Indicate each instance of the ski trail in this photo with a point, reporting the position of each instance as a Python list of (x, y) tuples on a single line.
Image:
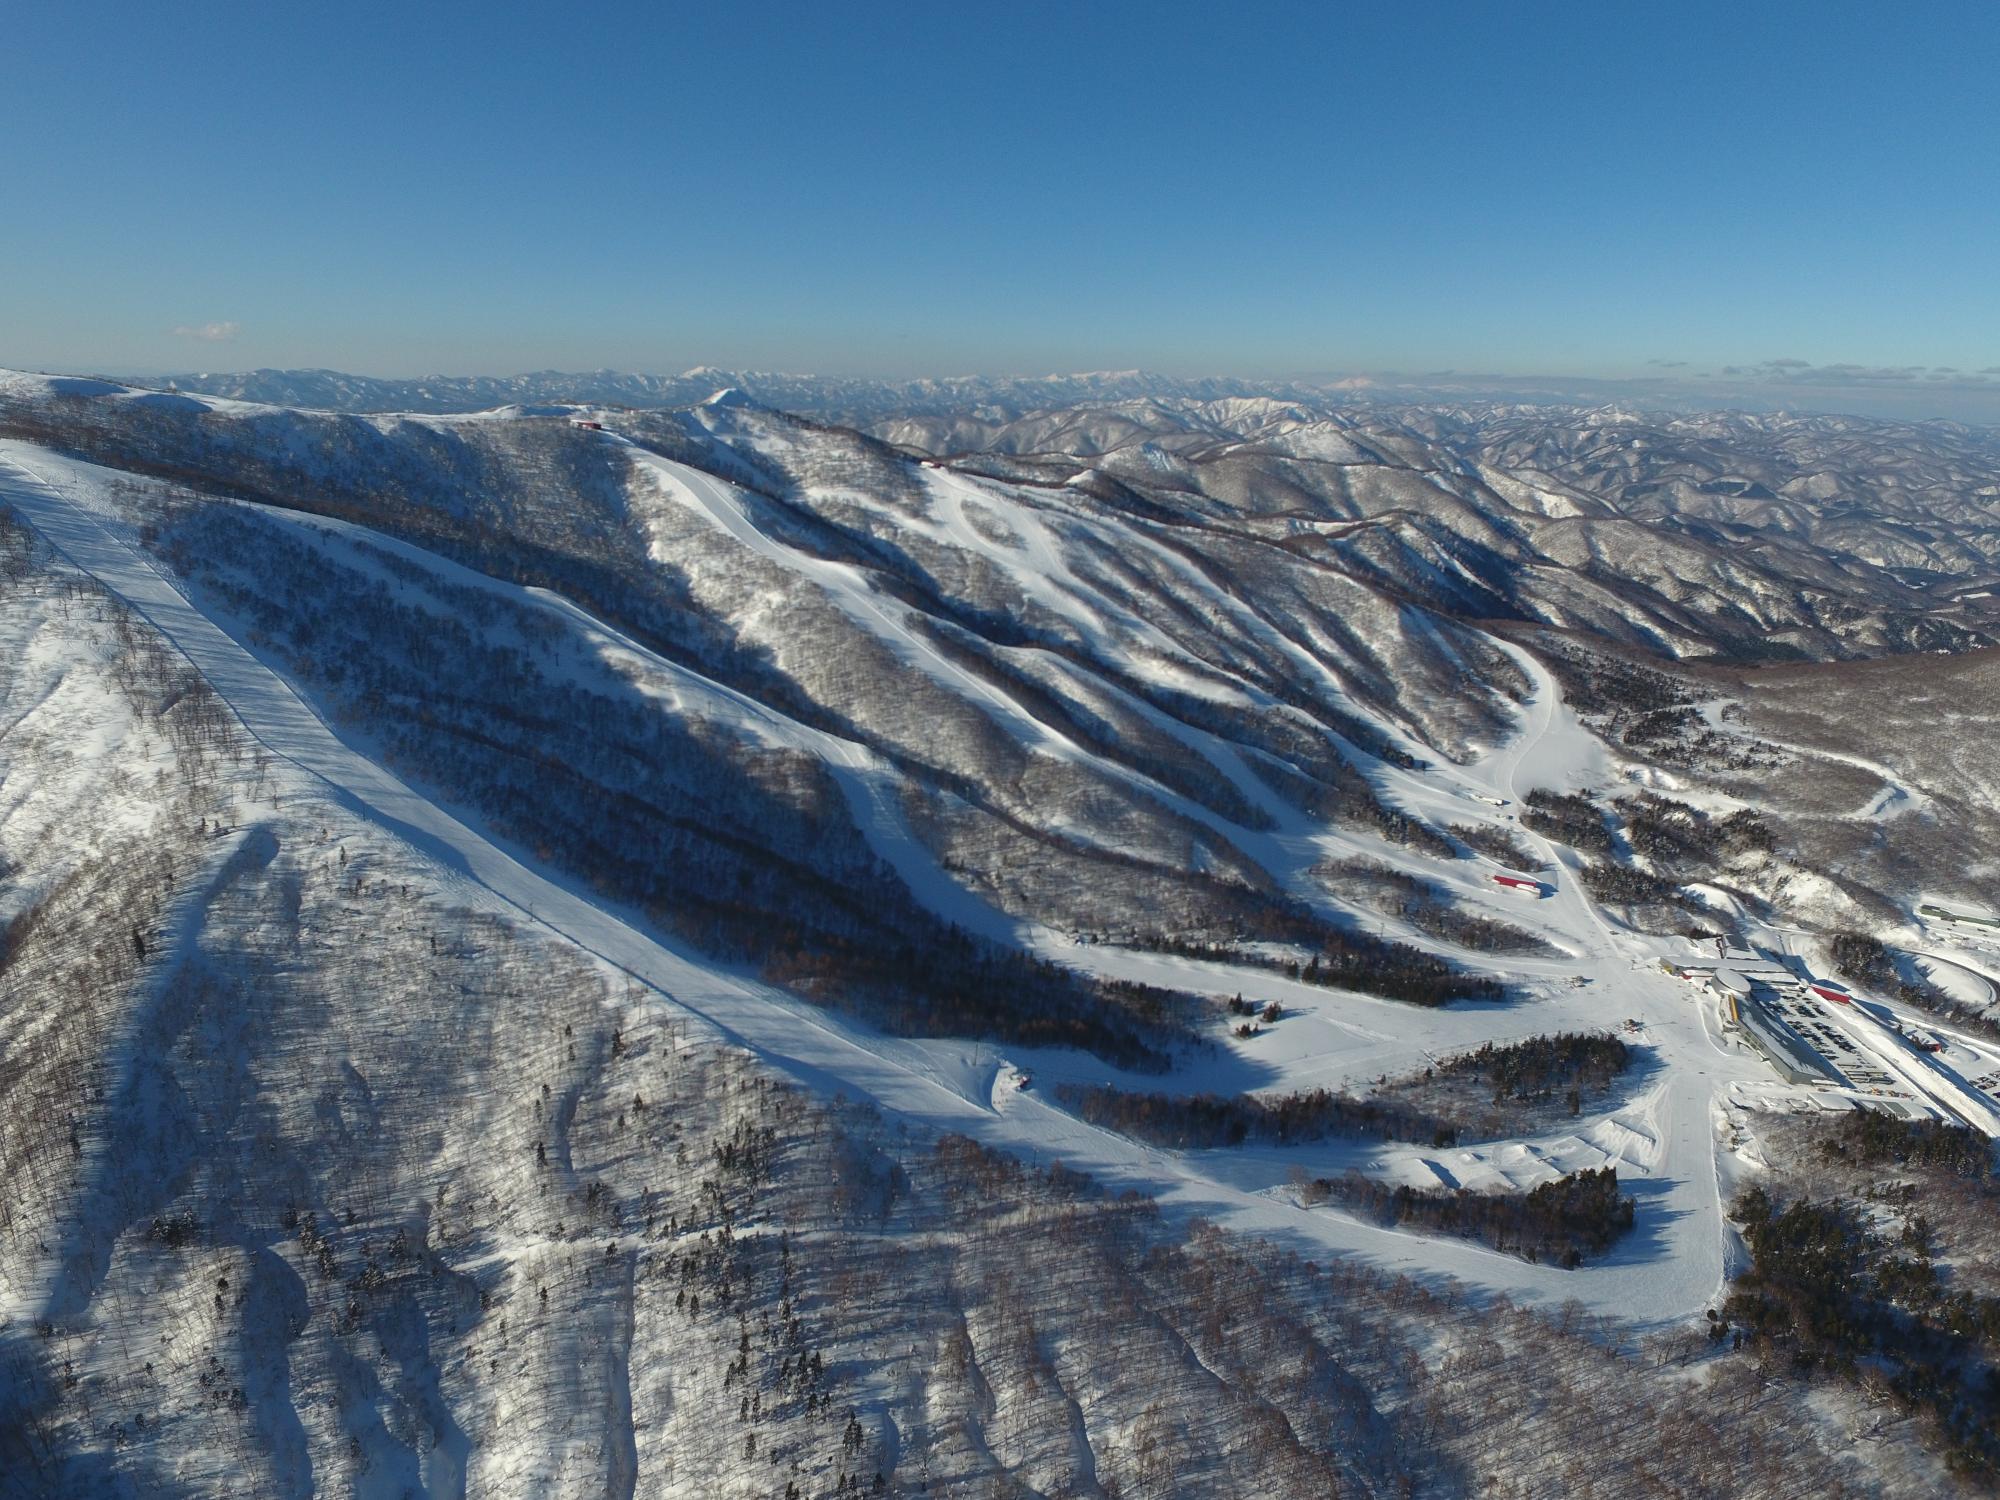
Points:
[(477, 874)]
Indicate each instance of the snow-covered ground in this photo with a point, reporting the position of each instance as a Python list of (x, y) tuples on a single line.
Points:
[(1664, 1142)]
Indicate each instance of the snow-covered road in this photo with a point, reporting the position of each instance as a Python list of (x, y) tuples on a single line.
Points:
[(1670, 1269)]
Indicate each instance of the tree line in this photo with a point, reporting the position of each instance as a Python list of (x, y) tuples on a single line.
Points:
[(1528, 1071), (1830, 1295), (1192, 1122), (1496, 843), (1348, 961), (1676, 836), (1534, 1069), (1568, 818), (1561, 1222)]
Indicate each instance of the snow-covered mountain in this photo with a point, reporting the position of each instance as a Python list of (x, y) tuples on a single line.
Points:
[(638, 941), (332, 390)]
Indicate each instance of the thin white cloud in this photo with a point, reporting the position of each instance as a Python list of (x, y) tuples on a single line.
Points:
[(208, 333)]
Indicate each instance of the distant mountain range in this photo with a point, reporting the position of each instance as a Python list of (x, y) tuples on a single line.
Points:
[(853, 400), (331, 390)]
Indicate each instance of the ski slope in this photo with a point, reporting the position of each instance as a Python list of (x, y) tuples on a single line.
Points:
[(1665, 1140), (1563, 752)]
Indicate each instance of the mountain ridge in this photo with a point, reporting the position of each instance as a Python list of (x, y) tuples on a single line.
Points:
[(768, 831)]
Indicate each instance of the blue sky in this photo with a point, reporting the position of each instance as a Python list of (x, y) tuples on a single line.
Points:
[(1605, 190)]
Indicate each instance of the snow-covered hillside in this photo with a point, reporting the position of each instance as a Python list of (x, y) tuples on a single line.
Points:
[(1720, 511), (591, 934)]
